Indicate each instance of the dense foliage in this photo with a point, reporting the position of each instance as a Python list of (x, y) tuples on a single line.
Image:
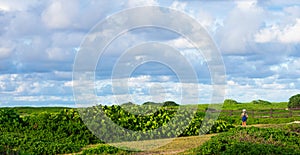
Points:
[(166, 122), (294, 101), (252, 141), (65, 132), (44, 133)]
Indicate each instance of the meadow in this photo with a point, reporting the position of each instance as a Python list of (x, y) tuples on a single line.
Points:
[(60, 130)]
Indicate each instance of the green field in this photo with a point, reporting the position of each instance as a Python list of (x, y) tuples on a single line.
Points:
[(37, 110), (60, 130)]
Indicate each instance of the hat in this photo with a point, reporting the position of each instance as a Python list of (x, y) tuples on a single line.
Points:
[(244, 110)]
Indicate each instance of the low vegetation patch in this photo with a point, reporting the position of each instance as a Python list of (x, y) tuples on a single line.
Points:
[(252, 140)]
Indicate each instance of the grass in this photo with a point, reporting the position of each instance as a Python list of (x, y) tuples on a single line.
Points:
[(23, 111), (202, 107)]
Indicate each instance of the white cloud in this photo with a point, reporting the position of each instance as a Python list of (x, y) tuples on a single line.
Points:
[(5, 52), (61, 14), (137, 3), (142, 89), (58, 54), (245, 5), (181, 6), (293, 10), (290, 34), (270, 88), (206, 20), (287, 34), (267, 35), (239, 26), (68, 84), (180, 43), (16, 5), (39, 36)]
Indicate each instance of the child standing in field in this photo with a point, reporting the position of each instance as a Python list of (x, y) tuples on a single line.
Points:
[(244, 117)]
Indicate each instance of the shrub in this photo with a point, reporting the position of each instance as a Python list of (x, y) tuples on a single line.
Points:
[(105, 149), (152, 104), (294, 101), (252, 141), (170, 103), (261, 102), (9, 118), (230, 101)]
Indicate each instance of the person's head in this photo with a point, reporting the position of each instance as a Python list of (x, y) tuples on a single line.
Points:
[(244, 110)]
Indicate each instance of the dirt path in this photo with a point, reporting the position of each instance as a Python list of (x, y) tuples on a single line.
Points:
[(172, 146), (179, 145)]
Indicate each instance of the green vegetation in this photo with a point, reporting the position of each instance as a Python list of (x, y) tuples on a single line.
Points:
[(45, 133), (57, 130), (252, 141), (263, 102), (105, 149), (165, 120), (65, 132), (170, 103), (230, 102), (294, 101), (23, 111), (251, 106)]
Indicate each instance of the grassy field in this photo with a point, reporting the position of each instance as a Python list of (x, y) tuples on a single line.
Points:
[(248, 106), (36, 110)]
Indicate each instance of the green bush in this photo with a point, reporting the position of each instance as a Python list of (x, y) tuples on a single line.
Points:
[(263, 102), (231, 101), (170, 103), (252, 141), (45, 133), (294, 101), (104, 149), (9, 120)]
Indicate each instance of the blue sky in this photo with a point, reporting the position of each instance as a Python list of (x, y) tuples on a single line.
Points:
[(259, 42)]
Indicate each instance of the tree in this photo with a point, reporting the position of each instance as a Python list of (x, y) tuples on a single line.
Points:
[(294, 101), (170, 103)]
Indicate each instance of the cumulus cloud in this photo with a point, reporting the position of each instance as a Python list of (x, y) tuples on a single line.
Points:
[(40, 39), (145, 88), (274, 33), (15, 5), (61, 14), (181, 6), (239, 26), (137, 3)]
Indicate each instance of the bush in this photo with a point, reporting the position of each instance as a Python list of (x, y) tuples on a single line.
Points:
[(263, 102), (45, 133), (152, 104), (105, 149), (252, 141), (294, 101), (9, 117), (230, 101), (170, 103)]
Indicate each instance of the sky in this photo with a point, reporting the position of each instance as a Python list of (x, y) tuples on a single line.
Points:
[(259, 43)]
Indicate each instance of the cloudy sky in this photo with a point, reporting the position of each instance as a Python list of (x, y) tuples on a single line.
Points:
[(259, 42)]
